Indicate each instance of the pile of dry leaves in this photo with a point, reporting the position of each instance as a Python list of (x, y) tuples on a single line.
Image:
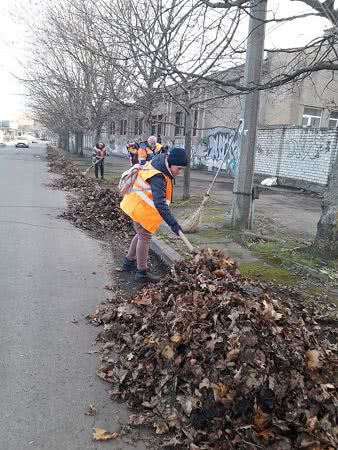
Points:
[(72, 179), (216, 361), (96, 207)]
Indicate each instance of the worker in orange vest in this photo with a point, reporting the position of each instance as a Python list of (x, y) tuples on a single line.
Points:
[(154, 144), (148, 204), (99, 153), (145, 153), (133, 149)]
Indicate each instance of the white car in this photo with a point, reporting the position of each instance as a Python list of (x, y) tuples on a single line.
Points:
[(22, 142)]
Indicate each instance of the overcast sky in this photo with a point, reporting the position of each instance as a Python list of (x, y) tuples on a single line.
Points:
[(12, 37)]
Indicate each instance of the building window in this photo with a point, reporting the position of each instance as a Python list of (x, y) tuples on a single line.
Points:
[(153, 126), (312, 117), (194, 131), (333, 119), (123, 126), (112, 127), (179, 130), (160, 125)]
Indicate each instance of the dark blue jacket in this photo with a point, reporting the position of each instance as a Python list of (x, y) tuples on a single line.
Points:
[(158, 187)]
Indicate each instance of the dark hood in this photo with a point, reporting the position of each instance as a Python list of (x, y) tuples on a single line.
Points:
[(158, 162)]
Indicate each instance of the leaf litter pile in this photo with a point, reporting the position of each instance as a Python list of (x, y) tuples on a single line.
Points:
[(212, 360), (95, 207)]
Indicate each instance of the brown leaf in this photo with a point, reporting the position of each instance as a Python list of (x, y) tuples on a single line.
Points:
[(269, 312), (136, 420), (219, 390), (91, 410), (313, 361), (233, 355), (142, 300), (161, 427), (168, 352), (262, 420), (311, 423), (176, 339), (265, 435), (103, 435)]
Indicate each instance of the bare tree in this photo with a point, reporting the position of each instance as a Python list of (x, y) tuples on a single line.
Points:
[(81, 82), (128, 54)]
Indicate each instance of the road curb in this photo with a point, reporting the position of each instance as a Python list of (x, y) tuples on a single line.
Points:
[(166, 253)]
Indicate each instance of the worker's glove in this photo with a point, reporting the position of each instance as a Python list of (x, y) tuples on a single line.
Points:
[(176, 229)]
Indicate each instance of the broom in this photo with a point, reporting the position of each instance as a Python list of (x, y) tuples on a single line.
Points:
[(192, 223), (89, 168)]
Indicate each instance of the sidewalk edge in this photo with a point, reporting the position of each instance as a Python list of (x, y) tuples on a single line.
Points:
[(167, 254)]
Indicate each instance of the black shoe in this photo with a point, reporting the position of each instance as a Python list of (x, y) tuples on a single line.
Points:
[(143, 276), (129, 265)]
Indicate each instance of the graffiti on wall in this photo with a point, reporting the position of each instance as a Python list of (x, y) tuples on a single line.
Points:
[(220, 144), (265, 150), (300, 149), (305, 145)]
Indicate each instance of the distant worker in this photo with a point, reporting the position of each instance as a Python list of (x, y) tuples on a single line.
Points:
[(98, 155), (155, 145), (145, 153), (148, 204), (133, 149)]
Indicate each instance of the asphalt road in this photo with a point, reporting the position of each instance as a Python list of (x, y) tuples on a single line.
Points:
[(50, 274)]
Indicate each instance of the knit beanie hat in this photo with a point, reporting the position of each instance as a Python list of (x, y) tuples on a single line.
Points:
[(152, 140), (177, 157)]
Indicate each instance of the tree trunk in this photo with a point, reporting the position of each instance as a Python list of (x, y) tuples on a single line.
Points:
[(327, 228), (97, 135), (76, 146), (187, 146), (66, 140), (60, 142), (80, 143)]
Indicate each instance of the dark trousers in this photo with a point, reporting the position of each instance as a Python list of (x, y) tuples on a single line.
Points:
[(100, 165)]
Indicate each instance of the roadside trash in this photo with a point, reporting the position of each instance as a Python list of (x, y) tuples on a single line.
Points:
[(269, 182)]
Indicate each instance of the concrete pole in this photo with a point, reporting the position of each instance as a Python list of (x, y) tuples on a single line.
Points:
[(242, 190)]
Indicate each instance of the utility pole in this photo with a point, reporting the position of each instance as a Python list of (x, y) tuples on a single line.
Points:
[(242, 190)]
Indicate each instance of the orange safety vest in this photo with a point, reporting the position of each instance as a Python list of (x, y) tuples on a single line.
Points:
[(139, 204), (143, 153), (100, 153), (133, 155), (158, 148)]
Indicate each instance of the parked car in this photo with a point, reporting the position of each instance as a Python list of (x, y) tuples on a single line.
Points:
[(22, 142)]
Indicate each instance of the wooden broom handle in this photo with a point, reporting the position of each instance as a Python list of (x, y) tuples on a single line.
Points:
[(185, 240)]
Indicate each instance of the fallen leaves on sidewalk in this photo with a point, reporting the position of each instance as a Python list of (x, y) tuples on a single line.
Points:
[(216, 361), (95, 208), (103, 435)]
